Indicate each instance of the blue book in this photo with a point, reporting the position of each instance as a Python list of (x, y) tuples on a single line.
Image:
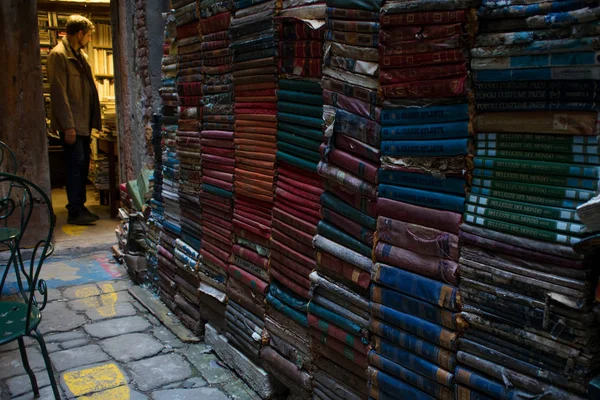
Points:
[(426, 131), (423, 181), (417, 286), (425, 115), (441, 201)]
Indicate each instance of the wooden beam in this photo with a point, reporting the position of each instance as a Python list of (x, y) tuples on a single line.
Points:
[(73, 6)]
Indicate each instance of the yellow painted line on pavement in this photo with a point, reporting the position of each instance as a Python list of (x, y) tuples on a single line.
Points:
[(74, 230), (104, 304), (119, 393), (86, 291), (95, 379)]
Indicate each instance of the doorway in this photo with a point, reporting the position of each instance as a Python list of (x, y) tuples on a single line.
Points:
[(102, 189)]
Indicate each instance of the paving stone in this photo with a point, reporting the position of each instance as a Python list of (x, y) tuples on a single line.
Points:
[(58, 318), (54, 294), (208, 364), (117, 326), (21, 384), (166, 336), (74, 358), (11, 364), (132, 347), (79, 292), (104, 301), (193, 383), (65, 337), (238, 390), (189, 394), (114, 286), (52, 347), (96, 378), (114, 311), (153, 320), (15, 345), (45, 394), (172, 386), (74, 343), (121, 392), (158, 371)]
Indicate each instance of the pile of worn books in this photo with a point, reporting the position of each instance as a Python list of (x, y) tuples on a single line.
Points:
[(527, 295), (218, 160), (422, 185), (169, 197), (296, 211), (254, 43), (339, 307)]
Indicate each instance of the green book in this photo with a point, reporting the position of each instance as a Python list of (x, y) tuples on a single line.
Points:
[(527, 198), (520, 230), (546, 147), (549, 180), (529, 220), (538, 167), (524, 208), (535, 138), (537, 190), (540, 156)]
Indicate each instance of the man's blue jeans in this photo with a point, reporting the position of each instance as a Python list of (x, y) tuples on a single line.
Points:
[(77, 158)]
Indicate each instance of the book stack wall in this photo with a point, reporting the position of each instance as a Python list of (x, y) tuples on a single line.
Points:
[(296, 211), (187, 148), (169, 199), (157, 206), (527, 295), (425, 159), (218, 160), (254, 44), (339, 306)]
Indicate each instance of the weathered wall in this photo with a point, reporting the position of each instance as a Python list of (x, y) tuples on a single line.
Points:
[(137, 35), (22, 124)]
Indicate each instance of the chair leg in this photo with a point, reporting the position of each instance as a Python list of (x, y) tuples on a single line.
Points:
[(38, 336), (34, 384)]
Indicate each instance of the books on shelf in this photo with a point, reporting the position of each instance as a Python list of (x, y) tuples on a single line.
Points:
[(102, 62), (102, 36)]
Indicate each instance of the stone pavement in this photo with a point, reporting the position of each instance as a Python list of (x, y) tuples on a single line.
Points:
[(105, 346)]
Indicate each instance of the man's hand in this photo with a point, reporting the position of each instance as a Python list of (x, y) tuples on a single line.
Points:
[(70, 135)]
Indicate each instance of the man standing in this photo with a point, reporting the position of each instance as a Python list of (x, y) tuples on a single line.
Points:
[(75, 111)]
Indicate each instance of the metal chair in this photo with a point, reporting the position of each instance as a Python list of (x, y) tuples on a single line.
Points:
[(8, 161), (21, 317)]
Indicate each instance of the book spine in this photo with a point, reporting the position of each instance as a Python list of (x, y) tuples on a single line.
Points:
[(425, 198), (426, 131), (544, 105), (583, 85), (520, 230), (535, 190), (426, 148), (535, 209), (450, 185), (527, 137), (539, 156), (435, 114), (550, 180), (539, 74), (540, 167), (521, 219), (546, 147)]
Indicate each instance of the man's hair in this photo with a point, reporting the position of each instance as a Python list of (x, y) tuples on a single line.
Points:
[(76, 23)]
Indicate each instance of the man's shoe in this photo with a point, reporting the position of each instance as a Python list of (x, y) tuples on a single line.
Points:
[(85, 211), (80, 219)]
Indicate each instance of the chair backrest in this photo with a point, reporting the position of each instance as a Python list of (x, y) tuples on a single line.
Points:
[(20, 200), (8, 161)]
